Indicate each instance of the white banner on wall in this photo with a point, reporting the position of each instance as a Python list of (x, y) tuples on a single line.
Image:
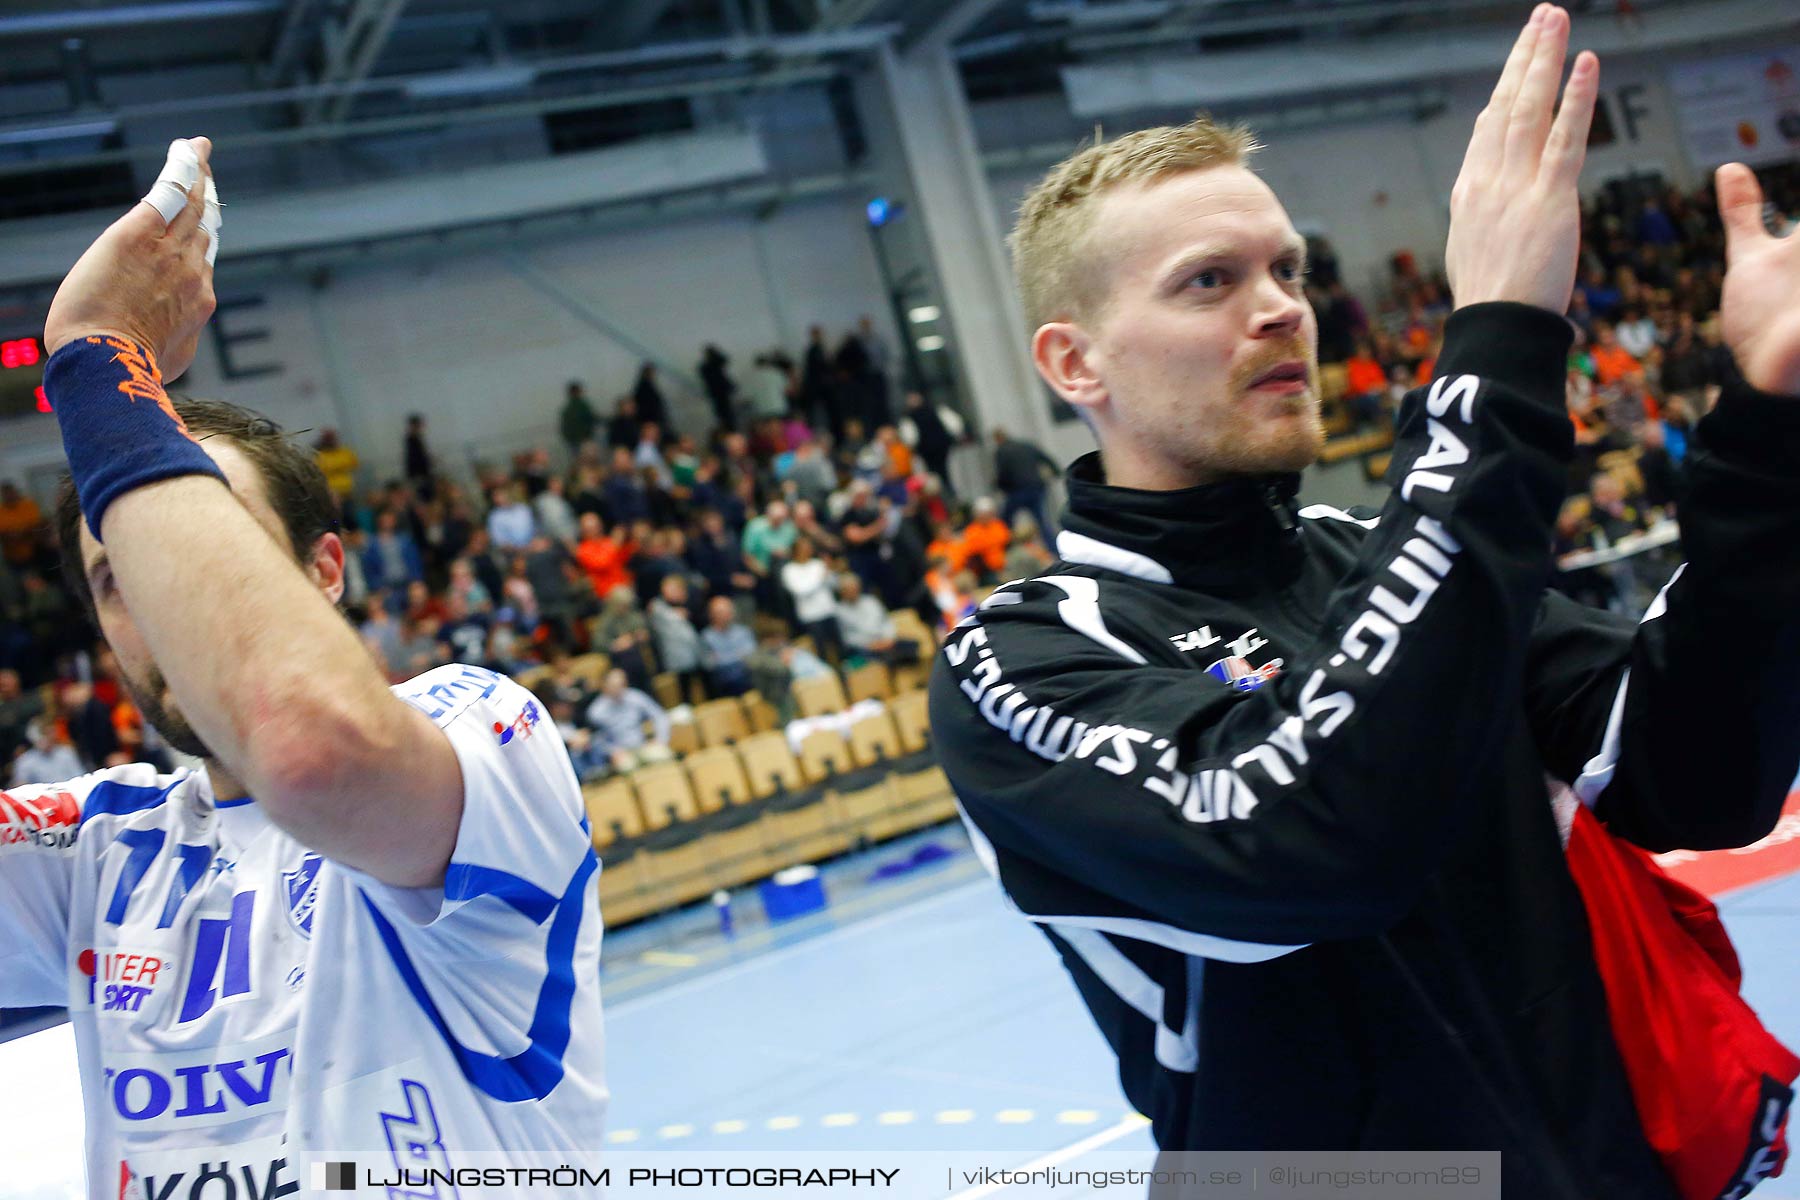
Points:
[(1744, 108)]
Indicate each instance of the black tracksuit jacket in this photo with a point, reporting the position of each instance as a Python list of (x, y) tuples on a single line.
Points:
[(1332, 911)]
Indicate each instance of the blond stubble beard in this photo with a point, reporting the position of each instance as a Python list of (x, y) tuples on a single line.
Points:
[(1254, 446)]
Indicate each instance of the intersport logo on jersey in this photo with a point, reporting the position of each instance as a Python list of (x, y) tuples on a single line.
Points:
[(49, 822)]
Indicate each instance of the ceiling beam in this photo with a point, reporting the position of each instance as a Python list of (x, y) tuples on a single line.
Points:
[(99, 20), (955, 23), (626, 23), (299, 27), (351, 47), (753, 81)]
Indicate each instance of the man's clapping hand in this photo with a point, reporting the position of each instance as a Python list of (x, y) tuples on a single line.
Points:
[(1760, 309), (1515, 214)]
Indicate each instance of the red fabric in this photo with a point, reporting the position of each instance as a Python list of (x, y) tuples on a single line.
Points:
[(1711, 1084)]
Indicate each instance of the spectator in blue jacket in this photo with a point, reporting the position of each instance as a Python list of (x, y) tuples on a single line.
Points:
[(391, 560)]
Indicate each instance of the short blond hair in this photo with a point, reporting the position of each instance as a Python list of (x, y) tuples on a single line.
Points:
[(1050, 239)]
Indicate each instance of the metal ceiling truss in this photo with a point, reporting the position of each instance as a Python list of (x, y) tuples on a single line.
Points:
[(351, 44)]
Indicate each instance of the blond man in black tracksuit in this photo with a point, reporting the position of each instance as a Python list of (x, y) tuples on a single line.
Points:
[(1286, 787)]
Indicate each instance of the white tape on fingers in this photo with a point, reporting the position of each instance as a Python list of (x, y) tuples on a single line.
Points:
[(211, 219), (169, 194)]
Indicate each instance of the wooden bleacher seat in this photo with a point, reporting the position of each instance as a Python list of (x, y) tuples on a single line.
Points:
[(865, 809), (626, 889), (666, 687), (922, 798), (664, 795), (741, 852), (1338, 449), (825, 753), (800, 828), (1334, 382), (613, 813), (819, 695), (871, 681), (680, 865), (721, 722), (874, 740), (717, 775), (769, 766), (532, 678), (858, 795), (1337, 419), (759, 712), (912, 720), (684, 737), (591, 669), (909, 626), (910, 677)]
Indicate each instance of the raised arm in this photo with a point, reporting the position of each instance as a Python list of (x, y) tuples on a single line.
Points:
[(1684, 731), (269, 675)]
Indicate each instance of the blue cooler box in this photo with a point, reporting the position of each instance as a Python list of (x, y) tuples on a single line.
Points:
[(792, 893)]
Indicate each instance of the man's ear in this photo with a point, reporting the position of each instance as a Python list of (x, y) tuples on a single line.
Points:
[(327, 566), (1065, 356)]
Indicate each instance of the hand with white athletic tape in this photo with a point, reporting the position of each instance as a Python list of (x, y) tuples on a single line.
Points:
[(1760, 309), (126, 318), (1515, 214), (148, 278)]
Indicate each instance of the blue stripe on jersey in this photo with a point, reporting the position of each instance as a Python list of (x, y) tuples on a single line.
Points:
[(122, 799), (238, 803), (534, 1072), (464, 881)]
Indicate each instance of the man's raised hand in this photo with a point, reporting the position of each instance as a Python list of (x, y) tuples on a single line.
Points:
[(146, 278), (1759, 311), (1515, 214)]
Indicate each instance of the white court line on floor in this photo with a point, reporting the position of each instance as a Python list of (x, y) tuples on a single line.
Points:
[(1056, 1158), (767, 958)]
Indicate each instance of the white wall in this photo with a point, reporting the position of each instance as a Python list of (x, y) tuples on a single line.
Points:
[(485, 354)]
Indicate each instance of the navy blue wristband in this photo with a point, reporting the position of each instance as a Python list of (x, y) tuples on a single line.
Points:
[(119, 430)]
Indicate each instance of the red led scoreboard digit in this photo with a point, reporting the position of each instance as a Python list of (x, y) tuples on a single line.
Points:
[(21, 352), (21, 377)]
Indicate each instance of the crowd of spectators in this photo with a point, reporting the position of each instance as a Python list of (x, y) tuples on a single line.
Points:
[(775, 543), (768, 547), (1647, 362)]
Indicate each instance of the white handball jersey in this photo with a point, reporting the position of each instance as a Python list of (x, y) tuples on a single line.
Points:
[(243, 1006)]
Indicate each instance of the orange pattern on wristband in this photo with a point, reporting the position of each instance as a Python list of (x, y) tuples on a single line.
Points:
[(143, 379)]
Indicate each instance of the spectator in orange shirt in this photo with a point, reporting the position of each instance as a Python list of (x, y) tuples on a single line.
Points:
[(986, 538), (899, 454), (1612, 362), (128, 727), (603, 557), (951, 591), (946, 547), (1365, 383), (1428, 364), (1366, 375), (20, 520)]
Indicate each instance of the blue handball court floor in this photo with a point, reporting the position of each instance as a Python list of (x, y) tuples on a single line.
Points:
[(916, 1012)]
